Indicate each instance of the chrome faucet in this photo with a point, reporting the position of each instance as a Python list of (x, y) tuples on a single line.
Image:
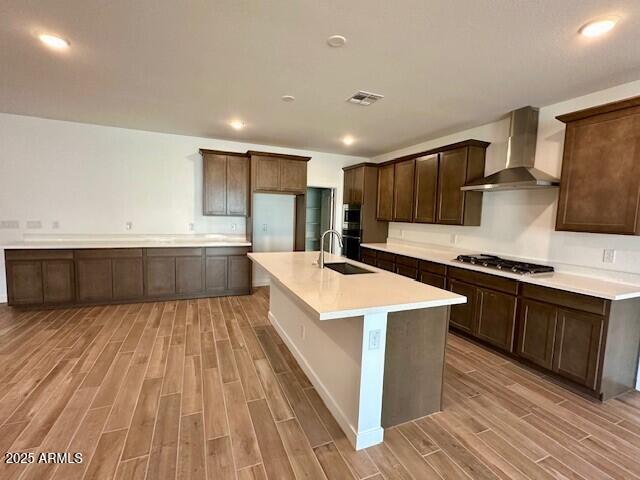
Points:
[(320, 261)]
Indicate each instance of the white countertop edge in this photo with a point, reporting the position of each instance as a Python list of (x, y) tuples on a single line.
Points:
[(540, 280), (119, 244), (334, 315)]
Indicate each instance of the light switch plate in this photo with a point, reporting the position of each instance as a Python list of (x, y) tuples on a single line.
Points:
[(128, 225), (608, 255), (374, 339)]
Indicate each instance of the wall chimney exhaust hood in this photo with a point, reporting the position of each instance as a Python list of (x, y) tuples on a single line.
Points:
[(519, 174)]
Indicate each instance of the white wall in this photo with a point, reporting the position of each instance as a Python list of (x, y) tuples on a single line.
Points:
[(93, 179), (522, 223)]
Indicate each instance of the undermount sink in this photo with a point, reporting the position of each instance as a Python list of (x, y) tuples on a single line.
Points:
[(346, 268)]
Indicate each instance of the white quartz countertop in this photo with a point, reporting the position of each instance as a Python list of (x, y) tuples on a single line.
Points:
[(332, 295), (562, 281), (127, 241)]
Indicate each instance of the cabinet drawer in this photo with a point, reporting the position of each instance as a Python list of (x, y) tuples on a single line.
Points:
[(366, 257), (485, 280), (437, 268), (387, 257), (109, 253), (433, 279), (407, 271), (386, 265), (38, 254), (218, 251), (407, 261), (174, 252), (599, 306)]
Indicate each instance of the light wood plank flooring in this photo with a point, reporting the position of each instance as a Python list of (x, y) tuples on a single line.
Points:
[(206, 389)]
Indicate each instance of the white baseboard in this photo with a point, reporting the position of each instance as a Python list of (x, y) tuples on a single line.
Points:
[(359, 440)]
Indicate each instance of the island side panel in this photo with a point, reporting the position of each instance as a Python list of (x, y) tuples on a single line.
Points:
[(329, 352), (413, 372)]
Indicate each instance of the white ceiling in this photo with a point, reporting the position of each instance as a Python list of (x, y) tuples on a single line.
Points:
[(191, 66)]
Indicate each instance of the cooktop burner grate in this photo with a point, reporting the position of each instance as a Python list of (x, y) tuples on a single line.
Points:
[(492, 261)]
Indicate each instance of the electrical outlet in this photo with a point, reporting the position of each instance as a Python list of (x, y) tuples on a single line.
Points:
[(34, 224), (454, 239), (374, 339), (8, 224), (191, 227), (303, 332), (55, 224), (608, 255), (264, 227), (234, 227), (128, 225)]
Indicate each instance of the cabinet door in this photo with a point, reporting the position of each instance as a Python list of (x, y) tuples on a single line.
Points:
[(239, 272), (537, 332), (58, 281), (452, 174), (403, 191), (463, 316), (160, 276), (600, 182), (426, 189), (408, 272), (189, 275), (24, 282), (496, 318), (128, 278), (347, 186), (95, 279), (237, 185), (433, 279), (577, 346), (267, 173), (216, 274), (215, 184), (293, 175), (357, 186), (385, 192)]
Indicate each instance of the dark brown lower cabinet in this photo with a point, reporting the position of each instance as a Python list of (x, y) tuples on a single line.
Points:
[(99, 276), (463, 316), (577, 346), (37, 277), (496, 318), (433, 279), (537, 332)]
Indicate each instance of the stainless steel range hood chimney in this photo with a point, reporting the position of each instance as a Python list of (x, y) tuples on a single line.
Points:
[(519, 174)]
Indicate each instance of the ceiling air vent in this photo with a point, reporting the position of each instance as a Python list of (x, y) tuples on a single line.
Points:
[(364, 98)]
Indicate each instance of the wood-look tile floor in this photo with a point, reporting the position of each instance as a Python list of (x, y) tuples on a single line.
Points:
[(206, 389)]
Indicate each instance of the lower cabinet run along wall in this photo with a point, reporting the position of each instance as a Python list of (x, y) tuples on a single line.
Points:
[(588, 342), (101, 276)]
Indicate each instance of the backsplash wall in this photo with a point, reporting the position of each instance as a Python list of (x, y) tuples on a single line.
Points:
[(522, 223)]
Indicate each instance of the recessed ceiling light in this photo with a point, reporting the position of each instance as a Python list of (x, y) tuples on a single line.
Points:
[(336, 41), (288, 98), (348, 140), (237, 124), (598, 27), (54, 42)]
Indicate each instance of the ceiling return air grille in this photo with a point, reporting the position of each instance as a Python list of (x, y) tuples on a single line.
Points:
[(364, 98)]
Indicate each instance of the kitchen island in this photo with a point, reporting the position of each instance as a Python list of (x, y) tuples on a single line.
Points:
[(372, 343)]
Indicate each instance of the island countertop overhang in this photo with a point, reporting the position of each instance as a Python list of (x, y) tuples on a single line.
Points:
[(332, 295)]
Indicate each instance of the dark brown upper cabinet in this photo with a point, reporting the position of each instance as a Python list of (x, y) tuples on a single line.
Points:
[(403, 191), (225, 183), (458, 166), (279, 173), (353, 185), (426, 189), (600, 181), (384, 207)]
